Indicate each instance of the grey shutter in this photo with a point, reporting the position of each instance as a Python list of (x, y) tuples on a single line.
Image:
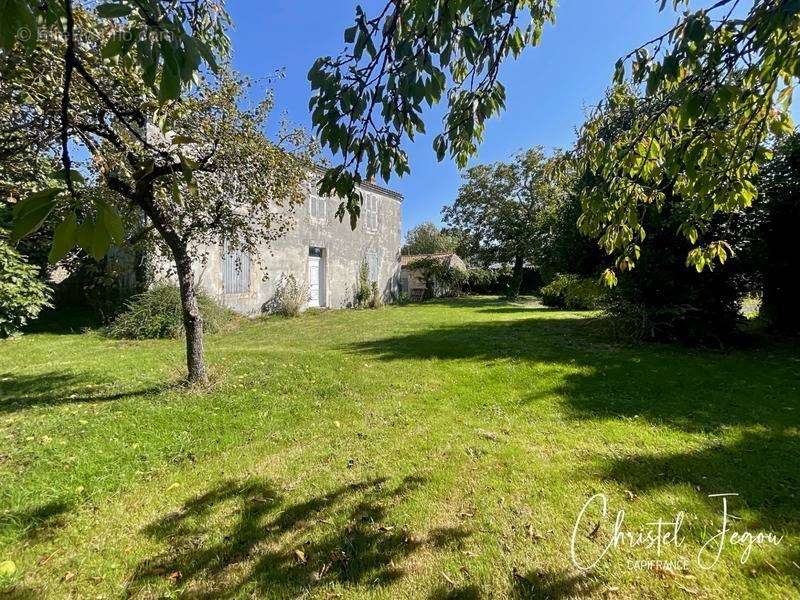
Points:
[(235, 271), (371, 212), (372, 266)]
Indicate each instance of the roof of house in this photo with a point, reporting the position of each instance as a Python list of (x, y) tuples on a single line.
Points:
[(370, 185), (450, 258)]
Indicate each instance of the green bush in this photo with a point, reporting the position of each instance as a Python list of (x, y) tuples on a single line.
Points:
[(22, 294), (586, 294), (479, 279), (364, 291), (664, 300), (573, 293), (375, 299), (554, 293), (440, 279), (498, 280), (157, 313)]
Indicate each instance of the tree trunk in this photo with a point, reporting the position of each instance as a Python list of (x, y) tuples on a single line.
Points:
[(516, 278), (141, 195), (192, 320)]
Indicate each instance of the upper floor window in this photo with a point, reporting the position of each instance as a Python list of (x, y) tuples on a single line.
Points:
[(235, 270), (371, 212), (318, 207)]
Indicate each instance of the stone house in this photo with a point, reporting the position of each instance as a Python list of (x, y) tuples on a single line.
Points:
[(319, 251), (413, 281)]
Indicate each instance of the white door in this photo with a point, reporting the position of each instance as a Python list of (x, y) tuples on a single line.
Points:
[(314, 281)]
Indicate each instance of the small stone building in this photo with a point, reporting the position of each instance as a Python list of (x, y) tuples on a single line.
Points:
[(413, 282)]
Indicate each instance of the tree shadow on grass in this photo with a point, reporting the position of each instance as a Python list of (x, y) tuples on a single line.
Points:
[(760, 466), (546, 584), (517, 310), (691, 390), (469, 301), (21, 392), (18, 592), (273, 548), (534, 585), (486, 302), (741, 407), (36, 523)]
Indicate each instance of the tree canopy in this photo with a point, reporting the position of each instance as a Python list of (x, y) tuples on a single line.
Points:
[(427, 238), (158, 48), (716, 87), (406, 55), (182, 172), (500, 205)]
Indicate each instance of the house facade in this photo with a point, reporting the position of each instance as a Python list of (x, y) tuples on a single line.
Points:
[(319, 251)]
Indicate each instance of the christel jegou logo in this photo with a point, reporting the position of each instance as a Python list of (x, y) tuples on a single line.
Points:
[(664, 533)]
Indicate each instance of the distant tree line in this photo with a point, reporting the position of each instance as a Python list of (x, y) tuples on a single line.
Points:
[(530, 208)]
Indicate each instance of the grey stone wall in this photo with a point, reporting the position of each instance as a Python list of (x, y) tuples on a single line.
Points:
[(343, 250)]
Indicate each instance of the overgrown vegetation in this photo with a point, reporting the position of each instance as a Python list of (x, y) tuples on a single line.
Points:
[(481, 280), (363, 288), (157, 313), (22, 294), (441, 279), (662, 299), (772, 248), (290, 297), (573, 293)]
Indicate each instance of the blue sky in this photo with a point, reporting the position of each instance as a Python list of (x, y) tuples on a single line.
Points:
[(548, 88)]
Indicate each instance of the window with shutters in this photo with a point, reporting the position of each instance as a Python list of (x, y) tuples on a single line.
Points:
[(235, 270), (318, 207), (372, 266), (371, 212)]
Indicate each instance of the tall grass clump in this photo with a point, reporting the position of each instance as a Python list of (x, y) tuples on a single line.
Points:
[(290, 297), (156, 313)]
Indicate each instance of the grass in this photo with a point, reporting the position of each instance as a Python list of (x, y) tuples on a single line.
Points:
[(427, 451)]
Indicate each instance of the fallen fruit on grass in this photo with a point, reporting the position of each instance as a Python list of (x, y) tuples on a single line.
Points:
[(7, 568)]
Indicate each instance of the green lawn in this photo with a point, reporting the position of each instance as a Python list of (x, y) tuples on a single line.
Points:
[(430, 451)]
